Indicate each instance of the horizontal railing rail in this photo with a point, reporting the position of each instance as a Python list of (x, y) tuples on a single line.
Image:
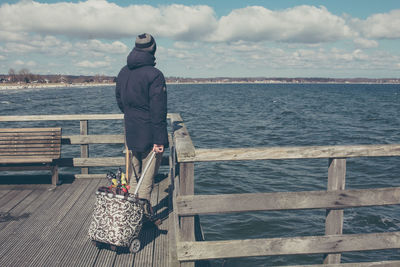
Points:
[(300, 152), (63, 117), (283, 246), (187, 205), (214, 204)]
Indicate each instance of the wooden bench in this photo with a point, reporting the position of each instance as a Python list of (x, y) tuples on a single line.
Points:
[(30, 149)]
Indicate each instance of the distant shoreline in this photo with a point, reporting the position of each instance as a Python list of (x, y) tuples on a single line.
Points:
[(50, 85), (282, 83), (5, 86)]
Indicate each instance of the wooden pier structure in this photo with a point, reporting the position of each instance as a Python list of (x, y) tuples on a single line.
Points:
[(46, 225)]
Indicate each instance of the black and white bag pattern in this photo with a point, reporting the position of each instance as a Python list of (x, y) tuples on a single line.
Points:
[(117, 220)]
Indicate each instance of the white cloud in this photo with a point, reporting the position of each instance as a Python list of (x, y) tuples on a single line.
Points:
[(358, 54), (50, 45), (21, 63), (185, 22), (242, 46), (185, 45), (31, 63), (38, 44), (303, 24), (92, 64), (101, 19), (18, 48), (314, 59), (380, 26), (9, 35), (99, 47), (365, 43), (2, 57), (263, 59)]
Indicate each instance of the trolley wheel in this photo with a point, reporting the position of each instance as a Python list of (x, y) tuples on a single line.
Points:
[(135, 246)]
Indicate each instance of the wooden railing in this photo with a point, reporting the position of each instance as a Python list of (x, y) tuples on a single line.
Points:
[(84, 140), (187, 206), (334, 200)]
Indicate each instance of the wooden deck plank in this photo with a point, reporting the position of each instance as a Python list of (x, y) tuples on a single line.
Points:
[(21, 186), (48, 231), (13, 200), (2, 193), (17, 214), (81, 252), (145, 256), (32, 233), (51, 238), (31, 209), (106, 257), (9, 194), (87, 253), (84, 253), (73, 248), (21, 215), (62, 235), (124, 259), (160, 257)]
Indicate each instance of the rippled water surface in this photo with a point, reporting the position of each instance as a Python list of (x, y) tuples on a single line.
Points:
[(258, 115)]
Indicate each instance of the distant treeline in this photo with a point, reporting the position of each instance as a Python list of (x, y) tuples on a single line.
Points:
[(281, 80), (25, 76)]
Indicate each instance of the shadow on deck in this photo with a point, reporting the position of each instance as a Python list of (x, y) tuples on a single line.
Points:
[(45, 226)]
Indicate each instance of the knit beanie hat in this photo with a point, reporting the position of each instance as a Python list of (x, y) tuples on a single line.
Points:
[(145, 42)]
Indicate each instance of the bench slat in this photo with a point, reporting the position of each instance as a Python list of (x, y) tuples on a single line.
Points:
[(10, 130), (19, 160), (28, 136), (27, 146), (30, 141), (51, 146), (29, 153), (29, 132)]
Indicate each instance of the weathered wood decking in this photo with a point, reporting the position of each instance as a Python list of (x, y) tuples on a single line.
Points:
[(47, 226)]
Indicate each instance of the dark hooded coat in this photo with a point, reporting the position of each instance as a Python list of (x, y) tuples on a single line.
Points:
[(142, 97)]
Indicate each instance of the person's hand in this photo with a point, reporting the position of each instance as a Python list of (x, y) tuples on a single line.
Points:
[(158, 148)]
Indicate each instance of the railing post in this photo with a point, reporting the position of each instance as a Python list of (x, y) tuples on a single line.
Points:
[(186, 187), (184, 150), (334, 218), (84, 130)]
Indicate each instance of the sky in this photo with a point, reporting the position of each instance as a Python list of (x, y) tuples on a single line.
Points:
[(204, 38)]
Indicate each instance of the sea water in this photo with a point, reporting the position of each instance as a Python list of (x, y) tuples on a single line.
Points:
[(257, 115)]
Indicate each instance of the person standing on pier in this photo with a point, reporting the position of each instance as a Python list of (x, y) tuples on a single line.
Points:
[(142, 97)]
